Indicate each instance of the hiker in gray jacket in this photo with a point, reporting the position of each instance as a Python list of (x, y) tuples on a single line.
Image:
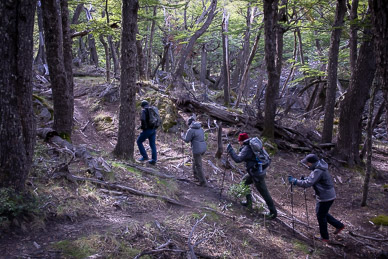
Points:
[(322, 182), (196, 137)]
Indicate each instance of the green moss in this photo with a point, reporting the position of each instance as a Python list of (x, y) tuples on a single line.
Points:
[(167, 187), (380, 220), (76, 249), (65, 136), (126, 168), (103, 117), (298, 245)]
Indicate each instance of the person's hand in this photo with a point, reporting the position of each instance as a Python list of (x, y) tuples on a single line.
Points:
[(292, 179), (229, 148)]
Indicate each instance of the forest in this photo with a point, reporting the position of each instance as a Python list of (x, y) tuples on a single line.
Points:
[(80, 77)]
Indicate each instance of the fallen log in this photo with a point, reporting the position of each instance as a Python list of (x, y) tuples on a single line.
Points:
[(73, 178), (96, 166), (286, 138)]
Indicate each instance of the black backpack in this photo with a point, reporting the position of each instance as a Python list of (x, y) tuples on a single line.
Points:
[(262, 157), (154, 120)]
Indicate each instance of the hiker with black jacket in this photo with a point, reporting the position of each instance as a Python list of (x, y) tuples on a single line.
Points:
[(322, 182), (196, 136), (254, 175), (148, 132)]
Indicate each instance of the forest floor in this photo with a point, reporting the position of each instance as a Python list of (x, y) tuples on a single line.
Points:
[(83, 220)]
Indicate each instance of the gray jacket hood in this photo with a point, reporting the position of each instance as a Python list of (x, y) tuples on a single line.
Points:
[(195, 125), (321, 180)]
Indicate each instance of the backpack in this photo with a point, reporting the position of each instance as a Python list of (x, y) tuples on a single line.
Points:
[(154, 120), (262, 157)]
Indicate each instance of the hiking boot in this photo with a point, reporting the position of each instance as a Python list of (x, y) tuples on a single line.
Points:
[(151, 162), (319, 238), (248, 202), (270, 216), (142, 159), (338, 230)]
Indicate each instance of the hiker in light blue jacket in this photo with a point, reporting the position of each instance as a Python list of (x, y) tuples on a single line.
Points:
[(196, 136), (322, 182)]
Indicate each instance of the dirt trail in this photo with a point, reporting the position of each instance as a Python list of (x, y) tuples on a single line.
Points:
[(125, 225)]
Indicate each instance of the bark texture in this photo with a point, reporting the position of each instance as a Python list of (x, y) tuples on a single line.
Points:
[(178, 75), (327, 132), (17, 124), (379, 17), (63, 99), (350, 128), (273, 58), (126, 134)]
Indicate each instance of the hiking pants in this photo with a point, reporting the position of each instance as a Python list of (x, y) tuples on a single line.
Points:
[(149, 134), (323, 216), (263, 190), (197, 168)]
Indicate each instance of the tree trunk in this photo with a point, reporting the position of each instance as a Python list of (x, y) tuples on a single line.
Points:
[(40, 59), (273, 58), (62, 100), (126, 133), (178, 79), (115, 58), (80, 52), (91, 42), (107, 57), (140, 60), (17, 123), (247, 66), (353, 36), (327, 132), (349, 128), (369, 148), (226, 64), (149, 52), (379, 17), (67, 52), (77, 13), (203, 64)]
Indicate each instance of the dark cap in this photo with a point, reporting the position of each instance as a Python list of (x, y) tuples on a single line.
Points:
[(310, 158), (144, 103), (190, 120)]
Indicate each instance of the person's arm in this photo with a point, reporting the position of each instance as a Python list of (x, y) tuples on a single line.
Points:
[(312, 179), (188, 137), (241, 157), (143, 119)]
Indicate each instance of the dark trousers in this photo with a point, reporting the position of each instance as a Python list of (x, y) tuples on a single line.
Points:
[(263, 190), (149, 134), (197, 169), (323, 216)]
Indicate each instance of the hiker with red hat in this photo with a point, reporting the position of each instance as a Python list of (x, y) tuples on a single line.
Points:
[(322, 182), (254, 175)]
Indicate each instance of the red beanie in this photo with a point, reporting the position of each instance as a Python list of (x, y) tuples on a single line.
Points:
[(243, 136)]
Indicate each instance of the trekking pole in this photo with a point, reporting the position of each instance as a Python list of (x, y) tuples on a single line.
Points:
[(183, 151), (305, 202), (292, 210), (226, 162), (223, 177)]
